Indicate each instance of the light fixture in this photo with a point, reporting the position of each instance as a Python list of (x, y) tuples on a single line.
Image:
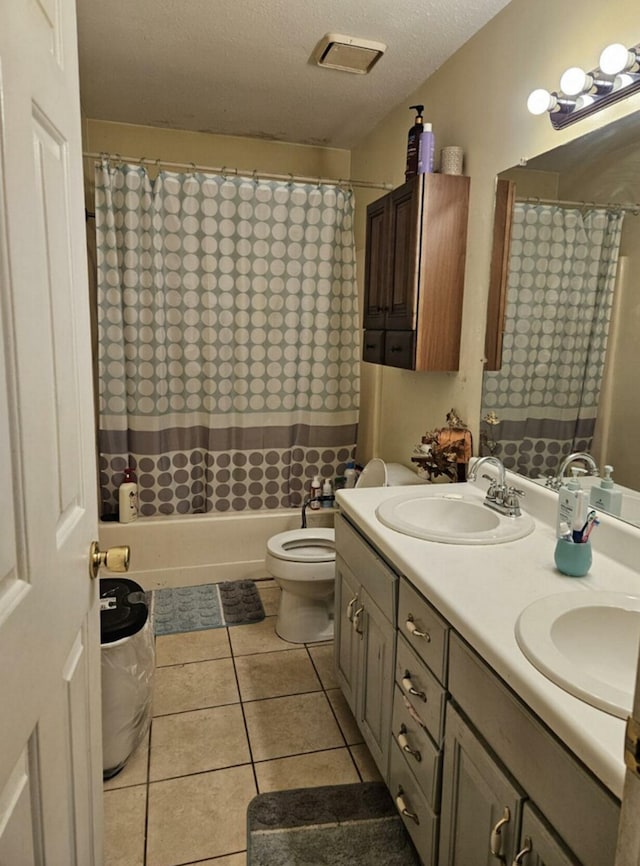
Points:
[(582, 93), (347, 53), (616, 58)]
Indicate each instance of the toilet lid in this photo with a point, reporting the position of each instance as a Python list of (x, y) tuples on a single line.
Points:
[(304, 545), (374, 474)]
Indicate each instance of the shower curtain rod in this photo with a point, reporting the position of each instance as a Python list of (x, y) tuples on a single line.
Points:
[(626, 206), (254, 174)]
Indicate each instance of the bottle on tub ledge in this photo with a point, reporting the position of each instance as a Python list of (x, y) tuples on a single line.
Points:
[(316, 490), (327, 494), (128, 497), (350, 474)]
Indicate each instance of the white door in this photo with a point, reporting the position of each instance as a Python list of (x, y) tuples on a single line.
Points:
[(50, 757)]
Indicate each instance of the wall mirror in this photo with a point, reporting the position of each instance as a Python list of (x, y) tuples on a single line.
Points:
[(563, 335)]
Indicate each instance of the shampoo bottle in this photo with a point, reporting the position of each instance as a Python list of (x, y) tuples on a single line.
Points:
[(350, 474), (426, 150), (327, 494), (605, 496), (316, 490), (413, 142), (128, 498), (569, 504)]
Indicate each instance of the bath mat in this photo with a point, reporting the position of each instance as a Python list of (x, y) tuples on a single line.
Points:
[(336, 825), (210, 605)]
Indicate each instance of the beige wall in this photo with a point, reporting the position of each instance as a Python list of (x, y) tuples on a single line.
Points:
[(478, 100), (174, 145)]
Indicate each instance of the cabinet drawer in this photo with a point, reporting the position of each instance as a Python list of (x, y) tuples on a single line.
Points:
[(373, 347), (399, 349), (423, 826), (424, 759), (372, 572), (424, 629), (424, 692)]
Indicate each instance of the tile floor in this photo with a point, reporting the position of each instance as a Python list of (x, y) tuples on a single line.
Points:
[(236, 712)]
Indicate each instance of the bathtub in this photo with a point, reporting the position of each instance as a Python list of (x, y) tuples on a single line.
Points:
[(188, 550)]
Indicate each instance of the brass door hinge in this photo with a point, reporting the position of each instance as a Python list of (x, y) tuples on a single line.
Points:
[(632, 746)]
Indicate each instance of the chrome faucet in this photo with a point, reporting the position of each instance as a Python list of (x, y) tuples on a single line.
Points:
[(584, 456), (500, 497)]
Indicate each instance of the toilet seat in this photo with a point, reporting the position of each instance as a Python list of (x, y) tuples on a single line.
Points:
[(303, 545)]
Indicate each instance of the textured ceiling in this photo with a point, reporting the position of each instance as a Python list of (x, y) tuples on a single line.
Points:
[(241, 67)]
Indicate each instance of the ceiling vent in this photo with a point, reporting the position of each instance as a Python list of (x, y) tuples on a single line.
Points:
[(347, 53)]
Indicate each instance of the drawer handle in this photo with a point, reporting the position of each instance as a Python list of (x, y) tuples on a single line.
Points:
[(356, 620), (396, 348), (495, 841), (408, 686), (370, 346), (518, 860), (414, 631), (350, 608), (403, 742), (402, 807)]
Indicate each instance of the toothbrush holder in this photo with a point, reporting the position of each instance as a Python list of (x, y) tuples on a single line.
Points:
[(573, 559)]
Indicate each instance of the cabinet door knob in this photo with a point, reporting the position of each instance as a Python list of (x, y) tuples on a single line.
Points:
[(401, 806), (408, 686), (518, 860), (396, 348), (413, 630), (356, 620), (350, 608), (495, 840), (403, 742)]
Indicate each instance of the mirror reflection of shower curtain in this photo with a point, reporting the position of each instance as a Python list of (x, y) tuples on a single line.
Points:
[(561, 278), (228, 338)]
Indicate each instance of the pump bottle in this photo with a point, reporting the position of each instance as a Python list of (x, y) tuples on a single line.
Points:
[(605, 496), (413, 142), (128, 498)]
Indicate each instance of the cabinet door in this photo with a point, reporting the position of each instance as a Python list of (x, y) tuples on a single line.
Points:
[(404, 255), (376, 275), (538, 844), (375, 677), (481, 808), (346, 639)]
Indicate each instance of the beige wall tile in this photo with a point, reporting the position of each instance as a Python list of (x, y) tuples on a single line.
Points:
[(124, 819), (345, 717), (260, 637), (192, 646), (322, 656), (333, 767), (199, 816), (269, 675), (198, 741), (290, 726), (194, 686)]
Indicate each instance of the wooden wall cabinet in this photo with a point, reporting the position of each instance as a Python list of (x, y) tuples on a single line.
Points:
[(414, 274)]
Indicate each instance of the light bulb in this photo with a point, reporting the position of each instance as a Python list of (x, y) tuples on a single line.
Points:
[(623, 80), (575, 81), (617, 58), (541, 100)]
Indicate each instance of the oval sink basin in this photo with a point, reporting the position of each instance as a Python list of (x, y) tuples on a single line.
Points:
[(451, 519), (586, 643)]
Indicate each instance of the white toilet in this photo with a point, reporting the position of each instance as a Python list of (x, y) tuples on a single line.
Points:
[(302, 563)]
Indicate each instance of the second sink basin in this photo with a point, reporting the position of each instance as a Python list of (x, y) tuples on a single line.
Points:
[(452, 518), (586, 643)]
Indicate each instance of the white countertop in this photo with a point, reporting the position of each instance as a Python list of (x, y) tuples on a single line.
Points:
[(482, 589)]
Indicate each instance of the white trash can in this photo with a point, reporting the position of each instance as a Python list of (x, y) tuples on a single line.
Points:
[(128, 663)]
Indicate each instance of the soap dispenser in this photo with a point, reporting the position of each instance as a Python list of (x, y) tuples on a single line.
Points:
[(413, 142), (605, 496), (570, 503)]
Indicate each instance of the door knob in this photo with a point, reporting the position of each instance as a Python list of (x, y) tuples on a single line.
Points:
[(114, 559)]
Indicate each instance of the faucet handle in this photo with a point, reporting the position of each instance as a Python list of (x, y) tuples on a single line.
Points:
[(514, 491), (493, 489)]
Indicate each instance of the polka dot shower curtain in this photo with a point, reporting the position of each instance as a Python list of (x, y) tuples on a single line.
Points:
[(228, 338), (561, 277)]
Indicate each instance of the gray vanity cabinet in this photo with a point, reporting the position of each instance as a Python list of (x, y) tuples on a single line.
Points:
[(538, 846), (366, 601), (481, 806)]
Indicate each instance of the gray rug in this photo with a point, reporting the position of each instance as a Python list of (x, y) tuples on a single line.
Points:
[(337, 825), (210, 605)]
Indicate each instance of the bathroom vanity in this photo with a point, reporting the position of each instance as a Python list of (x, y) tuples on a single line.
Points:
[(488, 760)]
